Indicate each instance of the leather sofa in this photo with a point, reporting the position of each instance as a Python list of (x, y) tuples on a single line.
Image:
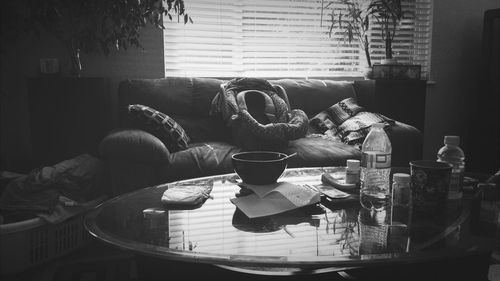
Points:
[(138, 159)]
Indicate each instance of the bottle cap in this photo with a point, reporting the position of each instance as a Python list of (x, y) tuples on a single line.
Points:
[(378, 125), (352, 164), (453, 140), (401, 178)]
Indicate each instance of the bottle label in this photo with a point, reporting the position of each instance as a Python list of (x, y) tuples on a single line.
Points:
[(375, 160), (352, 177), (456, 180)]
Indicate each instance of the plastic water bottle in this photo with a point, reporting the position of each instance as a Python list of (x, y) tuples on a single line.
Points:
[(374, 230), (452, 154), (375, 169)]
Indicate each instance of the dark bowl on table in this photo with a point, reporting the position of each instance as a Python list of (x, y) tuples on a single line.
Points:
[(259, 167)]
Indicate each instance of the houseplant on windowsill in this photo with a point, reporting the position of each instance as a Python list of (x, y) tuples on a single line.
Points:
[(388, 13), (90, 26), (354, 22), (355, 18)]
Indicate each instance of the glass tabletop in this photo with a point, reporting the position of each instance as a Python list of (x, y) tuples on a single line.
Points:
[(335, 233)]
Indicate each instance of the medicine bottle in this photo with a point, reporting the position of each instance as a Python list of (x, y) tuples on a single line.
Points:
[(352, 171), (401, 191)]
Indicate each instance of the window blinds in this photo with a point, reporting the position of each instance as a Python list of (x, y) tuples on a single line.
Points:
[(281, 38)]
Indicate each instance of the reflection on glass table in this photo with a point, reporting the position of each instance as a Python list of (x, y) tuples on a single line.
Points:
[(335, 235)]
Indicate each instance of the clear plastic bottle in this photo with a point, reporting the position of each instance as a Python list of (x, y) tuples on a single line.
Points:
[(401, 199), (375, 169), (451, 153), (373, 230)]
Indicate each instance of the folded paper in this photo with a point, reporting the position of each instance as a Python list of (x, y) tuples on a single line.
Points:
[(275, 198)]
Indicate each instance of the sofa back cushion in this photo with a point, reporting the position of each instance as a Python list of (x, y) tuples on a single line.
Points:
[(314, 95), (187, 100)]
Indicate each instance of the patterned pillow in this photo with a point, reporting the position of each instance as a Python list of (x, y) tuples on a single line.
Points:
[(336, 114), (347, 121), (161, 125), (355, 129)]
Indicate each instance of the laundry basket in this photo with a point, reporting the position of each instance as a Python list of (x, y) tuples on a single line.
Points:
[(32, 242), (29, 241)]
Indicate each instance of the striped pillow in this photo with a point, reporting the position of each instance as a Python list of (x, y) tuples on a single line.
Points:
[(161, 125)]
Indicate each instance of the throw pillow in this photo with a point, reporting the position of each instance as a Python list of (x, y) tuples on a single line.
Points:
[(354, 130), (161, 125), (347, 121), (335, 115)]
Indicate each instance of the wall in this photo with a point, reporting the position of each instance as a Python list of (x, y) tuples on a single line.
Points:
[(455, 68), (19, 60)]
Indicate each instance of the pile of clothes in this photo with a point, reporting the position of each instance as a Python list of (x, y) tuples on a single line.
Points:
[(56, 193)]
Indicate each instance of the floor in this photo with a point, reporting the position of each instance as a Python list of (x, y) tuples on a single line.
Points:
[(92, 262)]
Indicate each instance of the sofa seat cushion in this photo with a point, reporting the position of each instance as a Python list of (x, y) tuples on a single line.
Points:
[(211, 158), (318, 151), (202, 159)]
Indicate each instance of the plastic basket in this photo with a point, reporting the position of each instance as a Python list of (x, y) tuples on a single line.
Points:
[(31, 242)]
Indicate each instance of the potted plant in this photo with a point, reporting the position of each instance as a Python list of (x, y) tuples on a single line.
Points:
[(355, 20), (388, 13), (91, 25)]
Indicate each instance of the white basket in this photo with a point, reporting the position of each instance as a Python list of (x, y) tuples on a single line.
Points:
[(32, 242)]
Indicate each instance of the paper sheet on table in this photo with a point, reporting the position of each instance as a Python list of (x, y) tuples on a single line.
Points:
[(277, 198)]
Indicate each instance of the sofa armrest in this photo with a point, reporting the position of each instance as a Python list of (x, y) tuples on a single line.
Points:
[(135, 159), (407, 144), (134, 145)]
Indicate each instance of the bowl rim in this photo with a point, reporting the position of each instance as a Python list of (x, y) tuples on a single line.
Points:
[(259, 151)]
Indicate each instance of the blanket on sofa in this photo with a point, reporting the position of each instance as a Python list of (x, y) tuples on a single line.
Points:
[(258, 114), (348, 122)]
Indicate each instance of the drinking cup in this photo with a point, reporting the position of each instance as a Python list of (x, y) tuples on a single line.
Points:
[(430, 182)]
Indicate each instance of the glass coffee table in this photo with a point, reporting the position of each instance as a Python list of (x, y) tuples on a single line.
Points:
[(337, 235)]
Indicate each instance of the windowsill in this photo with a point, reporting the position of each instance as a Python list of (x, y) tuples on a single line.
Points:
[(334, 78)]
